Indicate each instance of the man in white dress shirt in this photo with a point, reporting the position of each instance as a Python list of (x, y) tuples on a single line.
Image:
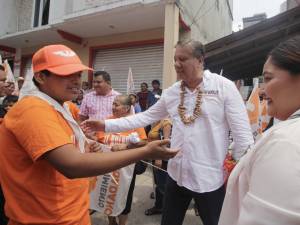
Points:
[(203, 107)]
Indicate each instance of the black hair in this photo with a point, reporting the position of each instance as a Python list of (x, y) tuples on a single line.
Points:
[(10, 98), (105, 75), (287, 55), (156, 82), (144, 83), (2, 68)]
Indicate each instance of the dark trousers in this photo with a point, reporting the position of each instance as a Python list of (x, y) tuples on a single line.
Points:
[(129, 196), (177, 200), (160, 178), (3, 218)]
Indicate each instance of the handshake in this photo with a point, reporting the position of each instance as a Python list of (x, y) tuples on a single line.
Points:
[(152, 150)]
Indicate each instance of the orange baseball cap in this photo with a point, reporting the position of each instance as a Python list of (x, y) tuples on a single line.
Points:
[(58, 59)]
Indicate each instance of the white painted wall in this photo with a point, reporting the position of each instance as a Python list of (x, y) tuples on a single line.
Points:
[(80, 5), (57, 10), (15, 15), (8, 17), (209, 19), (288, 4), (25, 14)]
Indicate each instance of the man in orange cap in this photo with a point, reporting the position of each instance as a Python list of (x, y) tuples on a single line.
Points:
[(42, 168)]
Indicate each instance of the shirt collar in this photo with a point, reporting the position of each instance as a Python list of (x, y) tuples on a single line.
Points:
[(109, 93), (204, 82), (295, 115)]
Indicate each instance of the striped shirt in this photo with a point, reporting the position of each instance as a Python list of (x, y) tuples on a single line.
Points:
[(96, 106)]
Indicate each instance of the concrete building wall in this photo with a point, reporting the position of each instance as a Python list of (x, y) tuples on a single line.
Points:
[(288, 4), (75, 7), (60, 9), (84, 50), (25, 14), (8, 17), (81, 5), (16, 15), (208, 20), (257, 18), (57, 10)]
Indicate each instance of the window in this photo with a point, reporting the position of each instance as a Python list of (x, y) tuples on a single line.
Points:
[(41, 12)]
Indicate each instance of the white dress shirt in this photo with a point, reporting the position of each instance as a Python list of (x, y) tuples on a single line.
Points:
[(203, 144), (264, 187)]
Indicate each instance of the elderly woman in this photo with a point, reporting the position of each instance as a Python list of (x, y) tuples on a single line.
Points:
[(121, 108), (264, 188)]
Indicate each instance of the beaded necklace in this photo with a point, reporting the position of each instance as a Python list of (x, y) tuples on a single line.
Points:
[(182, 110)]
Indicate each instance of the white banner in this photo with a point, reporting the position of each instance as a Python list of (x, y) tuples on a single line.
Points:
[(110, 197), (253, 109)]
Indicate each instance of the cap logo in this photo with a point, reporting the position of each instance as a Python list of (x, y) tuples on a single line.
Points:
[(65, 53)]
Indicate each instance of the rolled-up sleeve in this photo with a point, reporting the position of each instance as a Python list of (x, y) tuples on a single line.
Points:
[(238, 120), (155, 113)]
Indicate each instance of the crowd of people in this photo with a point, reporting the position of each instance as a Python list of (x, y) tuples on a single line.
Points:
[(58, 136)]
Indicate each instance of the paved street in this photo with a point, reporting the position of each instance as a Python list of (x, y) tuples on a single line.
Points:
[(142, 201)]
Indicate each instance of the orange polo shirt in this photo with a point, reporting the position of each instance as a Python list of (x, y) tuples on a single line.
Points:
[(35, 192)]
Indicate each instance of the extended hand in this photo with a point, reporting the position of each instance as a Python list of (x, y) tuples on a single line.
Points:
[(92, 125), (158, 150), (121, 147), (94, 146), (137, 145)]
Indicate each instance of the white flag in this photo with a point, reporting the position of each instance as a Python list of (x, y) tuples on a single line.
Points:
[(221, 72), (28, 86), (253, 109), (130, 83), (9, 75)]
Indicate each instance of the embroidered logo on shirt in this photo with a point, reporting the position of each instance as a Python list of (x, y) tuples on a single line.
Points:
[(211, 92)]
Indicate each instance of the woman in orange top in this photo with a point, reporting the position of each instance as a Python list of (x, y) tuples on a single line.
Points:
[(121, 108)]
